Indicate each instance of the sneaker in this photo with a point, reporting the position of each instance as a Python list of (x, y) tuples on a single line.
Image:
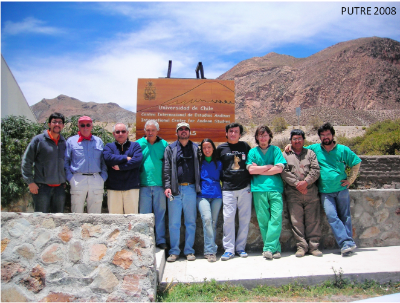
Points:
[(346, 249), (316, 253), (276, 255), (242, 253), (226, 256), (347, 254), (211, 258), (267, 255), (300, 252), (172, 258), (190, 257)]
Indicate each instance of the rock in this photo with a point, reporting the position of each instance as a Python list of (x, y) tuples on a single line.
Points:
[(65, 234), (75, 251), (53, 254), (370, 232), (12, 294), (48, 223), (97, 252), (123, 258), (4, 244), (58, 297), (9, 270), (35, 282), (105, 280)]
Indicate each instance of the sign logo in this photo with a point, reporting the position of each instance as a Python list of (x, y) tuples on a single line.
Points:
[(149, 91)]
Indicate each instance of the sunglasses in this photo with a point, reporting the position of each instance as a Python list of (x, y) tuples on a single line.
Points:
[(87, 125), (120, 131)]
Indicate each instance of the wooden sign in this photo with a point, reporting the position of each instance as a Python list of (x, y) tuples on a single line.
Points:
[(207, 105)]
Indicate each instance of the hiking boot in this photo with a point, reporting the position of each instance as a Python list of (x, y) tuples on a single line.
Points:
[(276, 255), (172, 258), (242, 253), (226, 256), (300, 252), (316, 253), (267, 255), (190, 257), (211, 258)]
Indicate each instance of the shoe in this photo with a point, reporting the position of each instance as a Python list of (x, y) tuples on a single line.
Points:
[(276, 255), (347, 254), (172, 258), (346, 249), (211, 258), (242, 253), (162, 246), (226, 256), (267, 255), (300, 252), (190, 257), (316, 253)]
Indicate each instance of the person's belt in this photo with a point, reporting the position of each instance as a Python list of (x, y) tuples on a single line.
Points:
[(185, 184), (89, 174)]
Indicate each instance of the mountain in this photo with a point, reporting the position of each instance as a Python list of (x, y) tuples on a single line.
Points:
[(68, 106), (351, 83)]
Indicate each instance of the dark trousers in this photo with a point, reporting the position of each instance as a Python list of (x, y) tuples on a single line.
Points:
[(49, 199)]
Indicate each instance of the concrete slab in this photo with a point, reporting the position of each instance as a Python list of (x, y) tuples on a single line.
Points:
[(378, 263), (160, 263)]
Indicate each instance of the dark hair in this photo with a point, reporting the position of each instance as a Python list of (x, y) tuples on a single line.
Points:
[(214, 154), (297, 132), (232, 125), (57, 116), (326, 126), (262, 129)]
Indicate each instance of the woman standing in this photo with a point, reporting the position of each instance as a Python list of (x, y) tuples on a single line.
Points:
[(209, 201)]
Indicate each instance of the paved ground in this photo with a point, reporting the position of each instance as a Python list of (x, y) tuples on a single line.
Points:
[(379, 263)]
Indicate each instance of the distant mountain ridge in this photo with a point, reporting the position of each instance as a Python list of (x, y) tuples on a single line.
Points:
[(356, 82), (69, 106)]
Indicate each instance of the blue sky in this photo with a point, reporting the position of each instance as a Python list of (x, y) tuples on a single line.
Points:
[(96, 51)]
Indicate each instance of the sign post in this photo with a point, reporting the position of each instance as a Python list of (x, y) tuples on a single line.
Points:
[(298, 112), (207, 105)]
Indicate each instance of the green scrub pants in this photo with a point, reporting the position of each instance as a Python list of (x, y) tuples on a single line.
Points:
[(269, 207)]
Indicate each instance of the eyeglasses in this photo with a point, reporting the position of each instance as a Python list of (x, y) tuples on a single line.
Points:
[(57, 122), (120, 131), (183, 129), (297, 139), (87, 125), (263, 137)]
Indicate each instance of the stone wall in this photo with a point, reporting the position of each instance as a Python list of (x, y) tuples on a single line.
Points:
[(374, 218), (379, 172), (77, 257)]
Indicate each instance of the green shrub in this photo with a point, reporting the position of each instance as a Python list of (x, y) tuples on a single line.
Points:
[(16, 134), (279, 124), (315, 123)]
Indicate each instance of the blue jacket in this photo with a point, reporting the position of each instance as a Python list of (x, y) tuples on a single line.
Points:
[(210, 176), (128, 175)]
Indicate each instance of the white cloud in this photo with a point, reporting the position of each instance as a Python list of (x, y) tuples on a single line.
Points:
[(29, 25)]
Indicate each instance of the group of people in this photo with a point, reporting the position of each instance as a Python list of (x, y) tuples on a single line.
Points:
[(152, 176)]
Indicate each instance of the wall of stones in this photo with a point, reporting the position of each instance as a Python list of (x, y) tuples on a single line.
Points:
[(374, 218), (379, 172), (77, 257)]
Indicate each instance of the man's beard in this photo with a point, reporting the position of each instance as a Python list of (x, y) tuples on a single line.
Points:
[(329, 142), (180, 137)]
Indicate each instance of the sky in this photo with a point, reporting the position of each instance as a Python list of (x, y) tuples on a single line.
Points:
[(96, 51)]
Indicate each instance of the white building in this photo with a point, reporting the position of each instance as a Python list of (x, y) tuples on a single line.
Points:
[(13, 101)]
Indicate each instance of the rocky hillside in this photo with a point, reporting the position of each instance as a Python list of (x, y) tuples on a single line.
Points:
[(68, 106), (351, 83)]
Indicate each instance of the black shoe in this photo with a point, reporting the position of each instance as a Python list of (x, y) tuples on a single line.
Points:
[(162, 246)]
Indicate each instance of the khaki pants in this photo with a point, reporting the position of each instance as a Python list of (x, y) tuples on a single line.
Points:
[(304, 213), (89, 188), (123, 201)]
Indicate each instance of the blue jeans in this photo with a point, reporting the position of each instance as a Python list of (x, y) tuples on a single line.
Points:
[(209, 209), (186, 202), (337, 209), (49, 199), (152, 199)]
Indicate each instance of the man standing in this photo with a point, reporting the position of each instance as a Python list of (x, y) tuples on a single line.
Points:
[(85, 168), (333, 184), (123, 159), (181, 182), (151, 196), (301, 192), (235, 191), (45, 153), (265, 163)]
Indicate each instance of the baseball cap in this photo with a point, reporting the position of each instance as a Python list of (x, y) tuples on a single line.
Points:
[(181, 124), (85, 119)]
